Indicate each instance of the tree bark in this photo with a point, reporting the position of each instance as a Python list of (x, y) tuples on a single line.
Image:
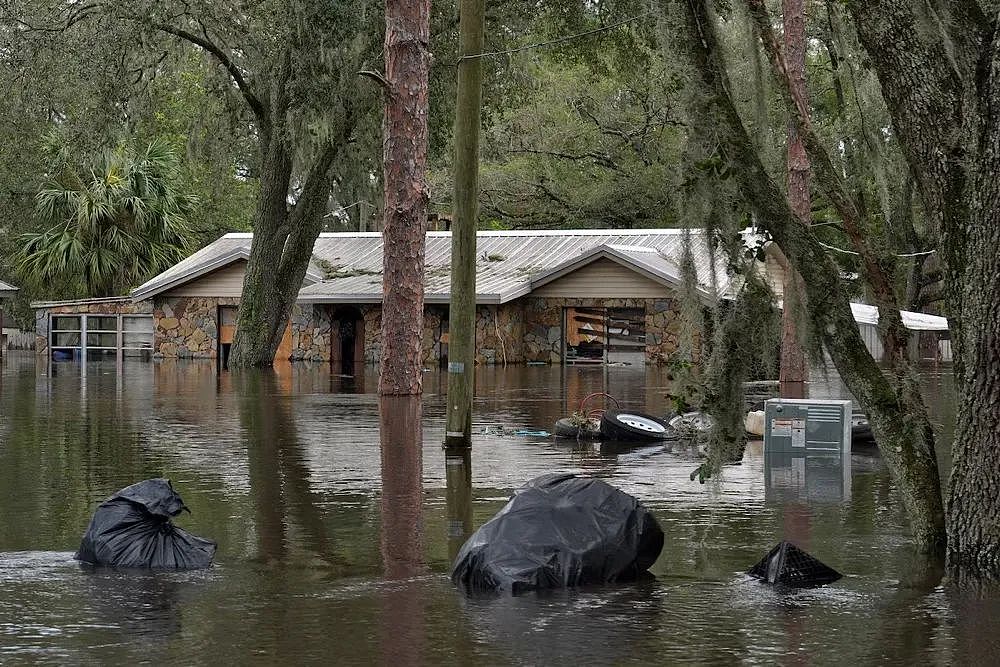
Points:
[(407, 62), (905, 439), (940, 77), (793, 371)]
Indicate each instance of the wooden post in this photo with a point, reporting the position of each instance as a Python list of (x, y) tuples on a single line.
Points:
[(462, 313)]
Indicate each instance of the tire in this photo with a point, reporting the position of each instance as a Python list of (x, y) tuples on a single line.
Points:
[(568, 428), (633, 426)]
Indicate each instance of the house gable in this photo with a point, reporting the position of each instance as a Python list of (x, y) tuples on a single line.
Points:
[(602, 278), (224, 282)]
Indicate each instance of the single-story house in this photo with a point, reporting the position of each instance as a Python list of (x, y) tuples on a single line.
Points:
[(549, 296), (552, 296)]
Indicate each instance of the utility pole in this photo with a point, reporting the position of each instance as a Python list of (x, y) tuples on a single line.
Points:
[(462, 311), (793, 372)]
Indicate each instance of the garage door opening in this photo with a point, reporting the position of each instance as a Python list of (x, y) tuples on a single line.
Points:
[(605, 336)]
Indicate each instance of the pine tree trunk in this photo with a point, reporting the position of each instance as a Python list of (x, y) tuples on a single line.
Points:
[(407, 61), (793, 372)]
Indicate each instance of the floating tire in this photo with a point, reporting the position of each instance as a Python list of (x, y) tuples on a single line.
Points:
[(633, 426), (570, 428)]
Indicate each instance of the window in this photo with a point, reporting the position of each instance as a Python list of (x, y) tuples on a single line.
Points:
[(67, 337), (101, 337)]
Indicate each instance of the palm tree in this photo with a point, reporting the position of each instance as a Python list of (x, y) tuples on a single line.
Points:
[(113, 223)]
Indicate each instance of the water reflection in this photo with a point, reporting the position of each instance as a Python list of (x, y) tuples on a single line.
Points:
[(458, 481), (401, 535), (278, 472), (334, 544)]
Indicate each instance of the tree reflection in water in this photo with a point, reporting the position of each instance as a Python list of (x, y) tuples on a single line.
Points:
[(401, 537)]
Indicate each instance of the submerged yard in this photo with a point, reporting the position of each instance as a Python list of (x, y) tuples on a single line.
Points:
[(327, 555)]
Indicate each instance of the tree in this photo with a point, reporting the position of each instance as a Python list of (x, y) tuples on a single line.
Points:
[(893, 403), (114, 223), (407, 61), (793, 362), (939, 69), (295, 67)]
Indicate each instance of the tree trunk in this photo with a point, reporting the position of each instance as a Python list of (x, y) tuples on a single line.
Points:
[(793, 373), (905, 439), (264, 305), (462, 314), (279, 255), (407, 61), (942, 89)]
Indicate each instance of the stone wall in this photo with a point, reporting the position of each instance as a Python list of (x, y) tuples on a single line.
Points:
[(312, 332), (91, 308), (187, 327), (500, 334)]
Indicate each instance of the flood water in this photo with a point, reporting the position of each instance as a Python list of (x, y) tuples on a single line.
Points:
[(334, 543)]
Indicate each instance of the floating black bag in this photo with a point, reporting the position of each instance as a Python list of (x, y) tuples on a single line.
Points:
[(560, 530), (132, 528), (788, 565)]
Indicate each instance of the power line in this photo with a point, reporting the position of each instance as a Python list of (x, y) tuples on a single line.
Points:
[(851, 252), (559, 40)]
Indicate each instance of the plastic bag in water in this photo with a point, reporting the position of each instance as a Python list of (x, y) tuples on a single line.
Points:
[(560, 530), (788, 565), (132, 528)]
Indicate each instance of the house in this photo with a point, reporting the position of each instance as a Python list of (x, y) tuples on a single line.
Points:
[(552, 296)]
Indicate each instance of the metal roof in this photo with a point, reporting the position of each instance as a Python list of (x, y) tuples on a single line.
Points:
[(347, 267), (508, 262), (81, 302), (6, 289), (866, 314), (219, 254)]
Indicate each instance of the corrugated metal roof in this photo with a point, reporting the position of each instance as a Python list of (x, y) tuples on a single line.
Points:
[(351, 263), (866, 314), (505, 261)]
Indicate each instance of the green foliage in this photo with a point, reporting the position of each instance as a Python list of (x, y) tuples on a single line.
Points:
[(113, 222)]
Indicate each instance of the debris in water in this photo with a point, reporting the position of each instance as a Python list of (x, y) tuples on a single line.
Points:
[(788, 565)]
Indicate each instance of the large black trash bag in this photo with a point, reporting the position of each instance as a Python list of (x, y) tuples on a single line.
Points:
[(132, 528), (560, 530), (788, 565)]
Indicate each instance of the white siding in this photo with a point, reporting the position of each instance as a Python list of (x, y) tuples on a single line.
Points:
[(603, 279), (227, 281)]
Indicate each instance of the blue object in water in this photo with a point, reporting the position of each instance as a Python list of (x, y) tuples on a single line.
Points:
[(526, 432)]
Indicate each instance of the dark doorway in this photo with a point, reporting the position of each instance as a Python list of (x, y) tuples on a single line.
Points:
[(227, 331), (348, 345)]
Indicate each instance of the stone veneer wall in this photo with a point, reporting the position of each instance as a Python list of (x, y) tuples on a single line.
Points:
[(530, 329), (187, 327), (107, 308), (500, 334), (313, 330)]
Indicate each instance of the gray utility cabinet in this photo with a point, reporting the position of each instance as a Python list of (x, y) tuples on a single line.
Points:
[(807, 426)]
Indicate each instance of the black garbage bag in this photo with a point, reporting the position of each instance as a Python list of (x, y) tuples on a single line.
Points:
[(132, 528), (788, 565), (560, 530)]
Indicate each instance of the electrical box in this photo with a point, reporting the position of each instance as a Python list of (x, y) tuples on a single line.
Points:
[(806, 426)]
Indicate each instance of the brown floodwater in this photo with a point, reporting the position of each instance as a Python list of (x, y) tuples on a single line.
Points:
[(335, 543)]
